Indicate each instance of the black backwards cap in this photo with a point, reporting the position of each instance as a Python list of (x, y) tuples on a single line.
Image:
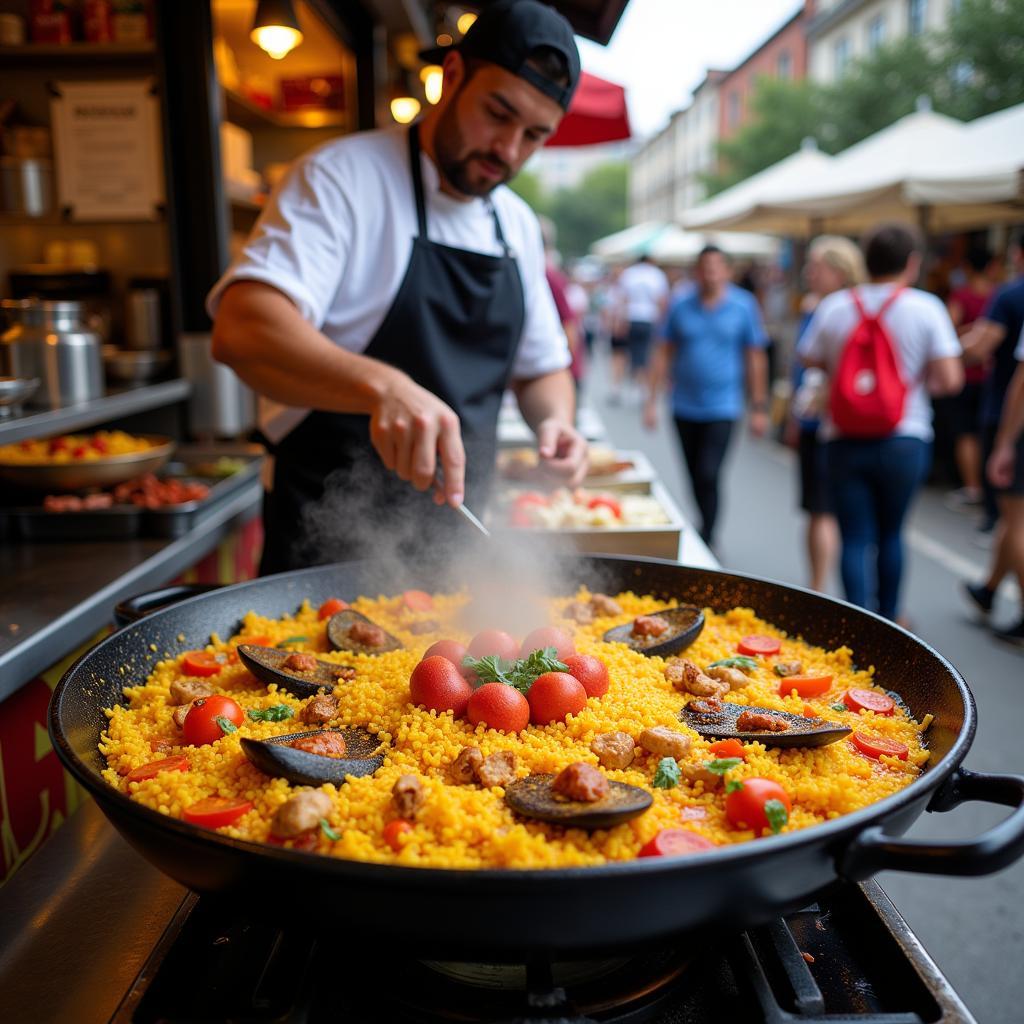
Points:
[(508, 31)]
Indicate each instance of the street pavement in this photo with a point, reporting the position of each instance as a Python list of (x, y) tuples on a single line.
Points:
[(972, 927)]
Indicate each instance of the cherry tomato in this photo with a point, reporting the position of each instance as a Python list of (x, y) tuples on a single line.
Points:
[(671, 842), (200, 663), (100, 444), (178, 763), (548, 636), (528, 498), (607, 501), (201, 725), (499, 706), (877, 746), (590, 671), (80, 452), (450, 649), (394, 830), (216, 811), (745, 805), (58, 444), (728, 748), (438, 685), (805, 686), (417, 601), (331, 607), (754, 645), (869, 700), (493, 641), (555, 695)]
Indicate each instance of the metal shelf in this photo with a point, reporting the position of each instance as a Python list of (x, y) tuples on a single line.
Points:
[(240, 110), (39, 53)]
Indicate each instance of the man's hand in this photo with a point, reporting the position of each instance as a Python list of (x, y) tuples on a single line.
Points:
[(1002, 464), (411, 429), (562, 450), (651, 414), (758, 422)]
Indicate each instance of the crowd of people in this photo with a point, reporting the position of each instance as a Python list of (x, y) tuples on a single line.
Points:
[(876, 361)]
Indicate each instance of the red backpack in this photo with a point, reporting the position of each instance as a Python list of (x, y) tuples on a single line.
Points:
[(868, 391)]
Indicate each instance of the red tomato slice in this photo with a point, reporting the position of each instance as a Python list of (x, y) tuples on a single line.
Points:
[(809, 712), (755, 645), (393, 832), (528, 498), (728, 748), (877, 746), (201, 663), (869, 700), (805, 686), (608, 502), (178, 763), (216, 811), (331, 607), (418, 601), (671, 842)]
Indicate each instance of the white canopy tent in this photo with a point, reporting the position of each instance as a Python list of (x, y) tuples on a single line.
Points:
[(669, 244)]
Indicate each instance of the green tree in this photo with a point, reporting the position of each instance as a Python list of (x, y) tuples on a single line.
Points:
[(529, 186), (984, 48), (589, 211)]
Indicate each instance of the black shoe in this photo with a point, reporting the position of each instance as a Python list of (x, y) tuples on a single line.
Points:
[(1013, 635), (979, 597)]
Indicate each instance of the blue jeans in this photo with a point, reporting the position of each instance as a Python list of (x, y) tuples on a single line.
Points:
[(872, 484)]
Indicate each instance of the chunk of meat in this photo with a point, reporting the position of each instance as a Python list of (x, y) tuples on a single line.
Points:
[(498, 769), (698, 773), (756, 721), (463, 768), (184, 691), (300, 813), (366, 634), (683, 674), (426, 626), (614, 749), (788, 668), (649, 625), (408, 797), (580, 612), (580, 781), (732, 677), (602, 604), (665, 742), (180, 713), (320, 709), (342, 671), (299, 661), (323, 744)]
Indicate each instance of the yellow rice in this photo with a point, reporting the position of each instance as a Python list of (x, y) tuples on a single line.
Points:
[(466, 826)]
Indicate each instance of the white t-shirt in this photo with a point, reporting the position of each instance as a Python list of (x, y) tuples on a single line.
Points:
[(919, 327), (336, 238), (644, 288)]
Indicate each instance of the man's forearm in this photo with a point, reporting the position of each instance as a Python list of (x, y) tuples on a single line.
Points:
[(658, 371), (757, 378), (551, 396), (1012, 424), (262, 336)]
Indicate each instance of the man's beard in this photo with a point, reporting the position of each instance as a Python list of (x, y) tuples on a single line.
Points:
[(448, 148)]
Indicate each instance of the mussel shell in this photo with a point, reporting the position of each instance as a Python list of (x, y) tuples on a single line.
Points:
[(337, 632), (802, 732), (685, 625), (533, 797), (264, 663), (364, 755)]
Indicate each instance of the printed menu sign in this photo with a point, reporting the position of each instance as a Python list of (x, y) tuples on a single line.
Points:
[(107, 148)]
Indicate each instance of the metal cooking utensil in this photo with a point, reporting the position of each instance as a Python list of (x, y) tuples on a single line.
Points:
[(461, 509)]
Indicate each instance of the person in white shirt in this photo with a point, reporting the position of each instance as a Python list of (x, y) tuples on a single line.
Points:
[(873, 480), (387, 296), (643, 296)]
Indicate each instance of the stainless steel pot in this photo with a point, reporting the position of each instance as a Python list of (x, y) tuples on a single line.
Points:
[(50, 340)]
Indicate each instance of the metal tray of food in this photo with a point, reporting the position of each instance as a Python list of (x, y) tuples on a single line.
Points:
[(610, 470), (119, 522)]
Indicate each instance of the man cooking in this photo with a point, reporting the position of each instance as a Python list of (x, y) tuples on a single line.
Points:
[(389, 293)]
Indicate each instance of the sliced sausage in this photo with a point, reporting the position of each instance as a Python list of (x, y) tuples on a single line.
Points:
[(323, 744), (498, 769), (184, 691), (300, 813), (665, 742), (408, 796), (579, 781), (463, 768), (320, 709), (299, 661), (614, 749)]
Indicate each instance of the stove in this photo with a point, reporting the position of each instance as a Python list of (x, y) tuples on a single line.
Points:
[(91, 932)]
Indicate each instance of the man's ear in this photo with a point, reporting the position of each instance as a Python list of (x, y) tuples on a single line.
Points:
[(454, 74)]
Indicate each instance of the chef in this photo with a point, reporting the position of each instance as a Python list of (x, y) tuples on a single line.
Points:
[(391, 291)]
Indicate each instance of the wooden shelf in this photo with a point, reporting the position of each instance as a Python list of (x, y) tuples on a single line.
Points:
[(46, 53), (240, 110)]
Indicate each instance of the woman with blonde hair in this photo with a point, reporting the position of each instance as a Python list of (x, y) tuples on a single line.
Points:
[(833, 263)]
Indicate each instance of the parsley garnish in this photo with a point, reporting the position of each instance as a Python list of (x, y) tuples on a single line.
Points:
[(733, 785), (226, 725), (839, 707), (667, 775), (325, 827), (275, 713), (740, 661), (722, 765), (777, 815), (519, 673), (292, 640)]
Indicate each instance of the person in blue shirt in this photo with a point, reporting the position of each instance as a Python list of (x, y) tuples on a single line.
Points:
[(712, 350)]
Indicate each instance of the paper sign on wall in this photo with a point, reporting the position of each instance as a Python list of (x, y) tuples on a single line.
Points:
[(107, 148)]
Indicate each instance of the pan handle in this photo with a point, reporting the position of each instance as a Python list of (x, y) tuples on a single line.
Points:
[(131, 609), (874, 850)]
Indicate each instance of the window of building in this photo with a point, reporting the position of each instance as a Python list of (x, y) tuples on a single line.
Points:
[(917, 12), (841, 55), (876, 32), (734, 108), (784, 67)]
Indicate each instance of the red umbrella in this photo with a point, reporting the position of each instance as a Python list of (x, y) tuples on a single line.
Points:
[(597, 114)]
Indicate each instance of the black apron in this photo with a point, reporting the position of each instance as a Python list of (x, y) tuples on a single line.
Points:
[(454, 328)]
